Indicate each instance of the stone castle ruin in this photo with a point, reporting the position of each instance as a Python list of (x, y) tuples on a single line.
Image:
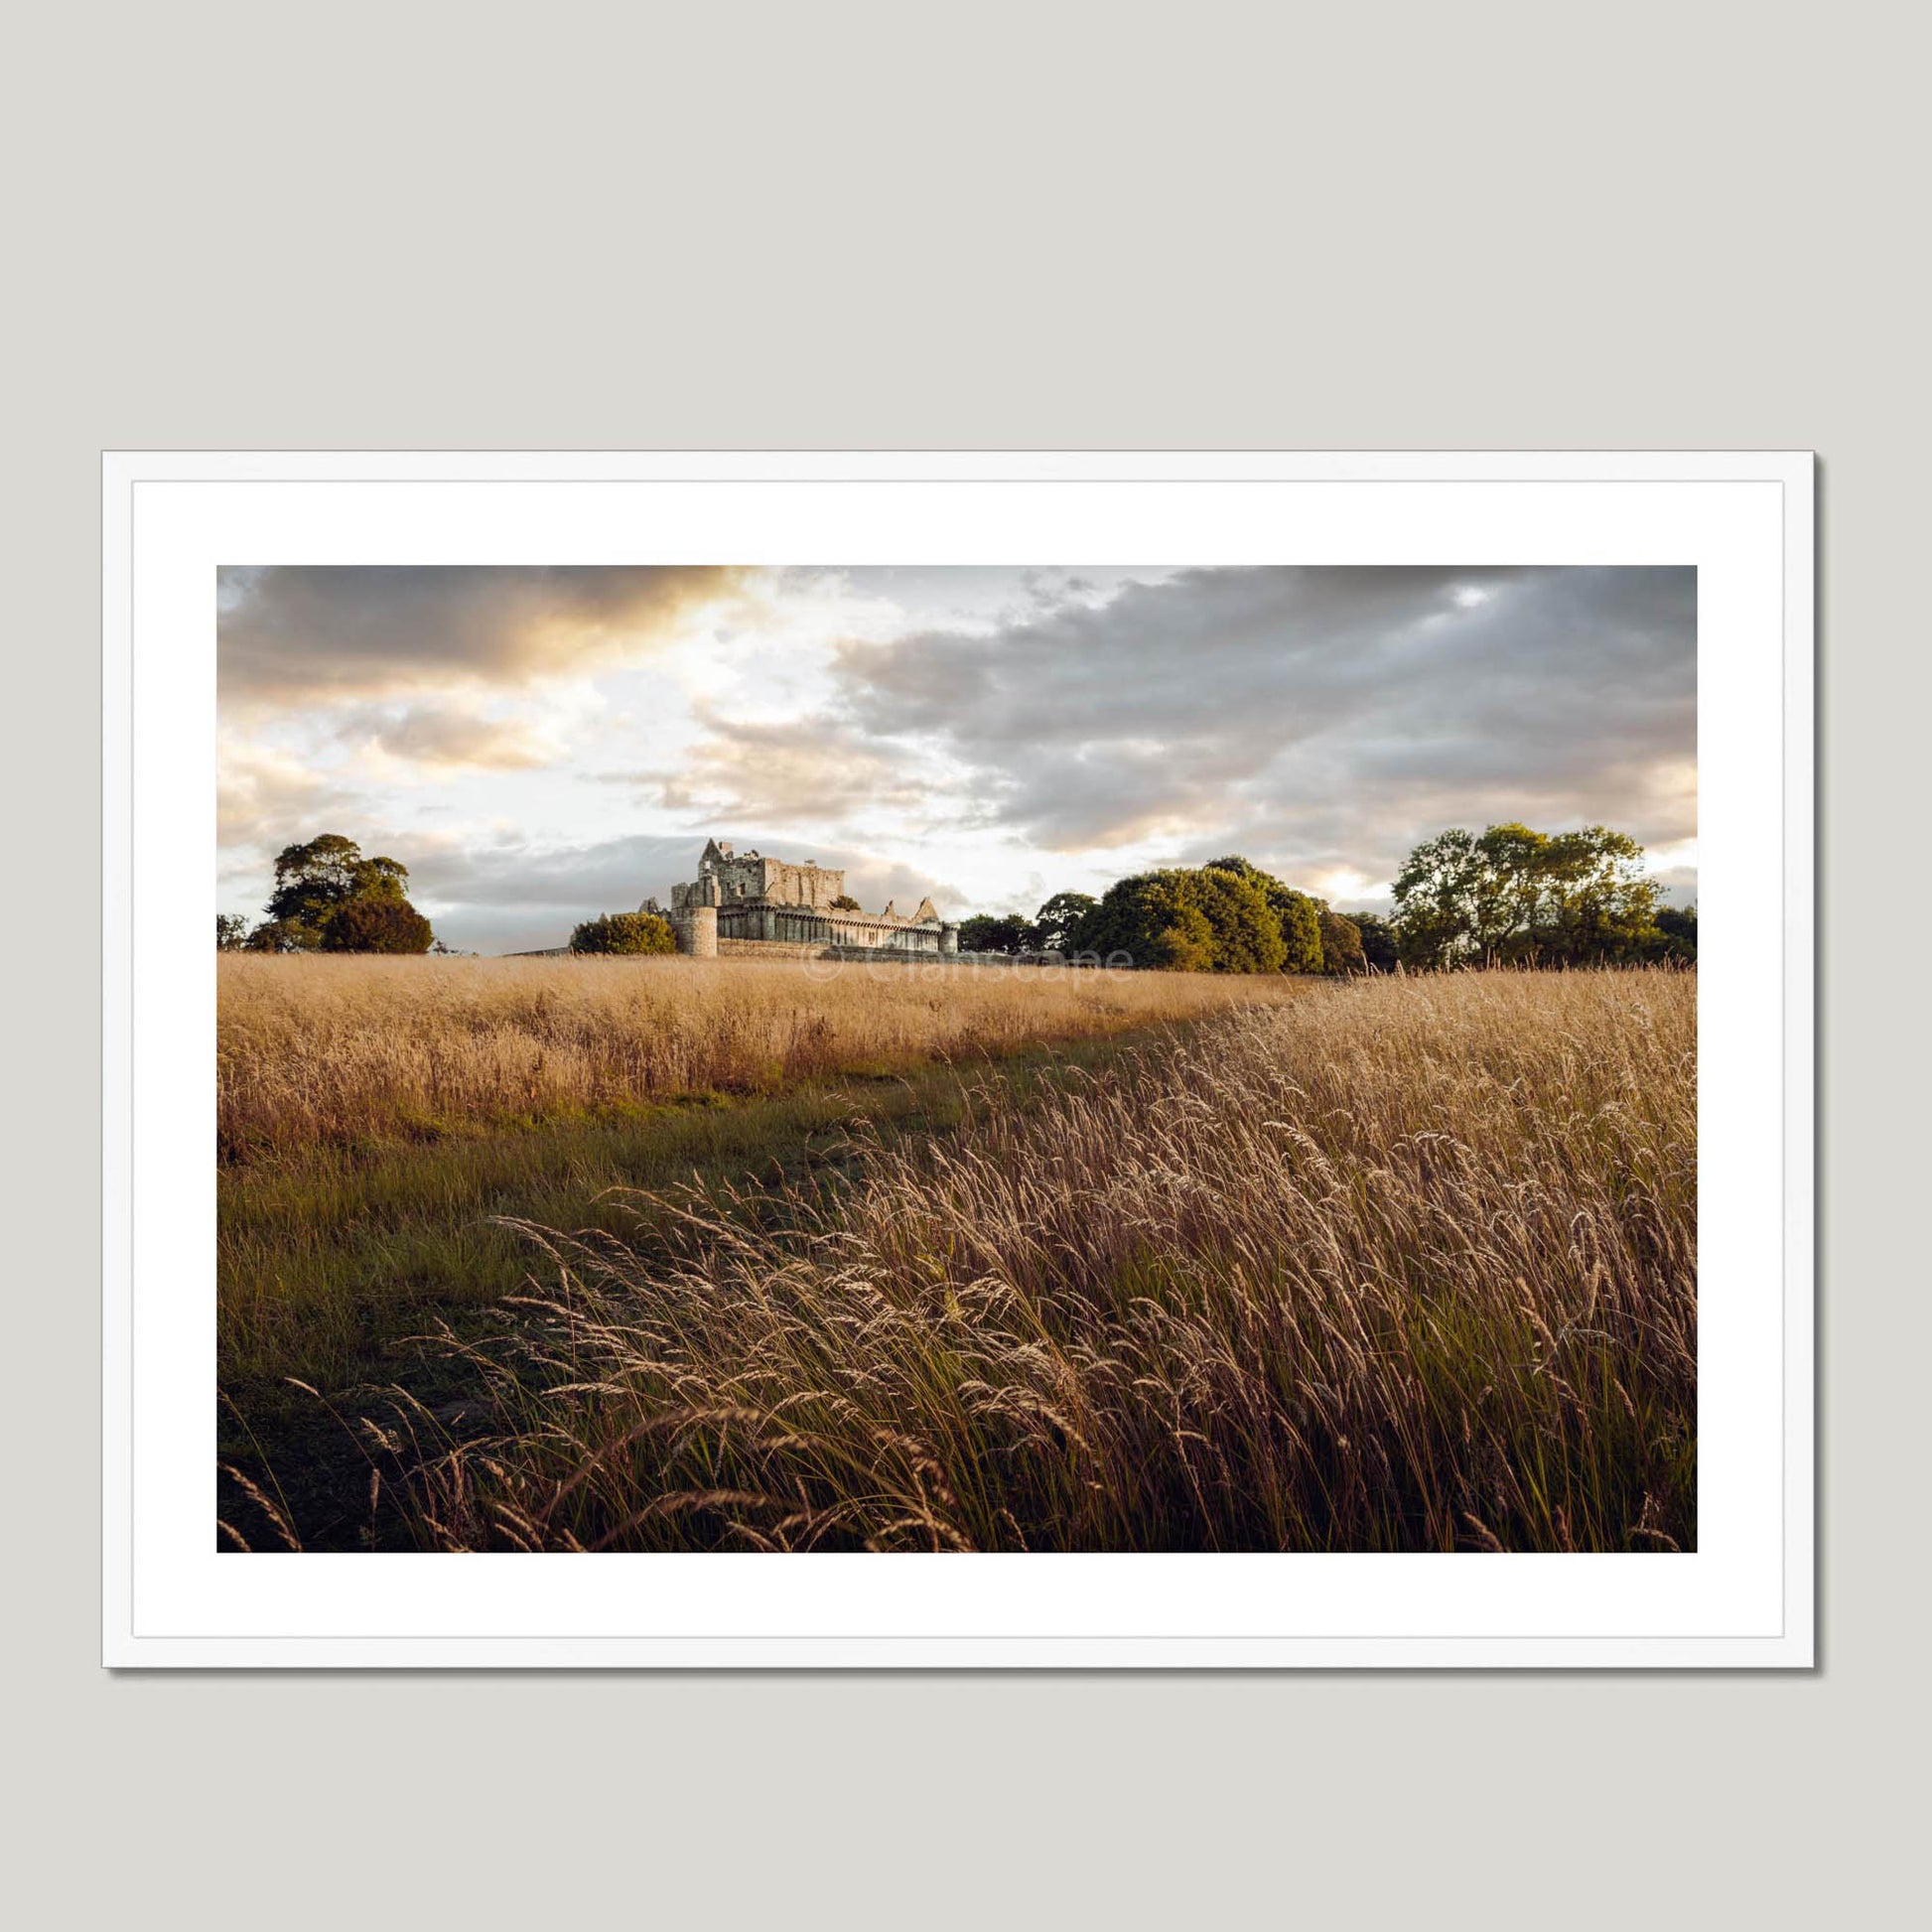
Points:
[(747, 903)]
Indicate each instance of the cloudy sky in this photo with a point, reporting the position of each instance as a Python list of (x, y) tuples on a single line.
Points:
[(539, 744)]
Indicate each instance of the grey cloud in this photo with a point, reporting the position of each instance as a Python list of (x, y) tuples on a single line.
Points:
[(438, 733), (1343, 713), (291, 633), (812, 767), (265, 800)]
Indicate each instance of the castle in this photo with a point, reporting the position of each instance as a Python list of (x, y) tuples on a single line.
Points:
[(741, 902)]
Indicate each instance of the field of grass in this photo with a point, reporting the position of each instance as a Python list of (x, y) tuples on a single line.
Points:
[(321, 1050), (1385, 1265), (382, 1119)]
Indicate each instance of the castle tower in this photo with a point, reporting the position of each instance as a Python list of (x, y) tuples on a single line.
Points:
[(697, 932)]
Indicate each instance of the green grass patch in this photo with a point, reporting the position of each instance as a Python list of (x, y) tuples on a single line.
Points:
[(332, 1258)]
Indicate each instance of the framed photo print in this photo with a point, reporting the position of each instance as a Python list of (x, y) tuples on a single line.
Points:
[(975, 1059)]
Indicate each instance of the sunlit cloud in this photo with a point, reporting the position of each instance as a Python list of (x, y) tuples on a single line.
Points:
[(321, 631)]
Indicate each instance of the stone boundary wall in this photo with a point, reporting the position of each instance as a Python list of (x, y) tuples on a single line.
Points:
[(771, 950), (870, 955), (899, 956)]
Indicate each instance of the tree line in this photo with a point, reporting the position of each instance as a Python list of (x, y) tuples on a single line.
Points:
[(1513, 896), (1226, 916), (1509, 896)]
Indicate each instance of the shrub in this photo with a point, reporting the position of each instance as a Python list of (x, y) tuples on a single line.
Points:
[(624, 932), (389, 926)]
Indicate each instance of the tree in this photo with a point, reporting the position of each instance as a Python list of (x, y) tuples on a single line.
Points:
[(1596, 902), (378, 878), (377, 924), (1379, 952), (1434, 901), (1001, 932), (1517, 895), (230, 931), (282, 935), (845, 902), (1295, 913), (1511, 864), (312, 880), (1300, 917), (1247, 932), (1677, 932), (1155, 919), (1341, 943), (1055, 921), (624, 932)]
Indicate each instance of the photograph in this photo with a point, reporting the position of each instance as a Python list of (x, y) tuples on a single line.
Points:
[(760, 1057)]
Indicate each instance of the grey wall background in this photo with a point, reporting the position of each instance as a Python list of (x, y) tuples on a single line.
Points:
[(996, 227)]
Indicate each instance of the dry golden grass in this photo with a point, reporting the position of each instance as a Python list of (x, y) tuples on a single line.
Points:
[(1399, 1264), (314, 1049)]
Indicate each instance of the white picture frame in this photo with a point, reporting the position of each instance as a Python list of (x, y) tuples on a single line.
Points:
[(1743, 1599)]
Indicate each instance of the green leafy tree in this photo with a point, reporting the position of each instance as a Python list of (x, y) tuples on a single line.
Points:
[(378, 923), (1296, 914), (1436, 900), (312, 880), (1056, 922), (1341, 943), (1151, 919), (1596, 903), (1516, 895), (1677, 931), (624, 932), (230, 931), (1300, 917), (1001, 932), (1379, 951), (1247, 932), (1508, 868), (845, 902), (281, 935), (378, 878)]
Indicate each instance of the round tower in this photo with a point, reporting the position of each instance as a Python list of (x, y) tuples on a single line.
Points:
[(698, 932)]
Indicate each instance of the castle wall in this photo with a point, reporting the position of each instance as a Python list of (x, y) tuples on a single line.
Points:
[(797, 925), (753, 877)]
